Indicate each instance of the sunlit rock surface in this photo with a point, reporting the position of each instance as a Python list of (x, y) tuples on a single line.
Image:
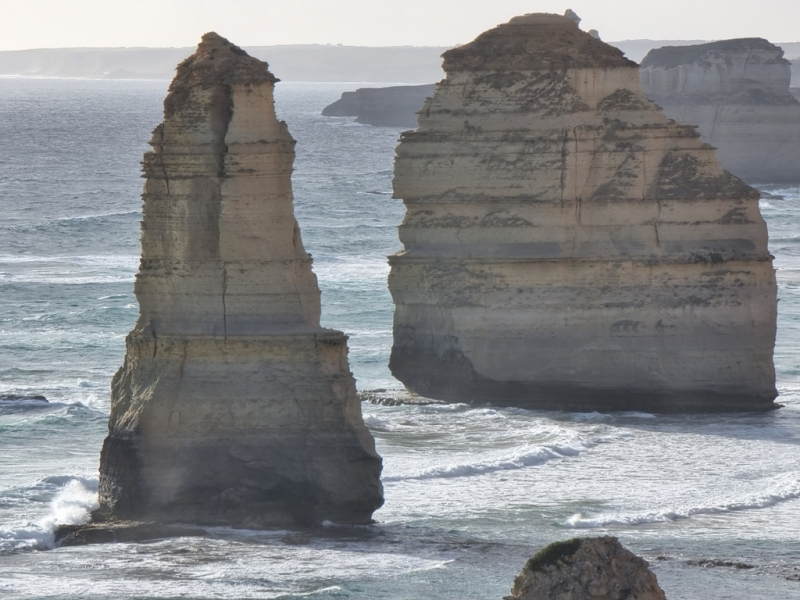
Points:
[(737, 93), (233, 405), (567, 246), (586, 569)]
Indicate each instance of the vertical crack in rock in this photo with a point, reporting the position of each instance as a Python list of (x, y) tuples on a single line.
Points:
[(646, 282), (233, 405), (224, 305), (163, 168), (564, 153), (655, 221)]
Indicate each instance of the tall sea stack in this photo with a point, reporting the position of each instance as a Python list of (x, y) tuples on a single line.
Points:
[(567, 246), (233, 405)]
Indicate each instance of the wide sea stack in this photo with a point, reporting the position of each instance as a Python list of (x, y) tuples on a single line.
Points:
[(233, 406), (567, 246), (737, 93)]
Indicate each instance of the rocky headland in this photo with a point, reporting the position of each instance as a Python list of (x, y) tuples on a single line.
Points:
[(233, 406), (395, 106), (567, 246), (737, 93), (586, 569)]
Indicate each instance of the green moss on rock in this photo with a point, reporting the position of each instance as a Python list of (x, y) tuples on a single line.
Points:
[(550, 555)]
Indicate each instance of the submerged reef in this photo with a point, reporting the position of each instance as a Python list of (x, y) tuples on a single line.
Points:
[(567, 246), (233, 406)]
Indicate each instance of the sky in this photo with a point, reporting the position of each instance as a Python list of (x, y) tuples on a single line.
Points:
[(26, 24)]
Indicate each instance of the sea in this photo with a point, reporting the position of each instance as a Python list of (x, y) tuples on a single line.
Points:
[(711, 501)]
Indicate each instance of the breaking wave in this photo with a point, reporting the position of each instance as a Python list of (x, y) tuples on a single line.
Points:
[(787, 489), (527, 456), (72, 505)]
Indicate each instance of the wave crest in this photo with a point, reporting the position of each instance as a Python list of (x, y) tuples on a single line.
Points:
[(779, 492), (72, 505), (527, 456)]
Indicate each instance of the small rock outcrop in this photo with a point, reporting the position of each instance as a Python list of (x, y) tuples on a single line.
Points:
[(586, 569), (567, 246), (395, 106), (23, 398), (737, 93), (233, 406)]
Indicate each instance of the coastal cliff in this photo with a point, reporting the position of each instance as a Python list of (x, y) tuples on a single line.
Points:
[(233, 406), (737, 93), (567, 246), (395, 106)]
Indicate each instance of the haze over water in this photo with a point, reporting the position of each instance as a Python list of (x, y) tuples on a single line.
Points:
[(471, 492)]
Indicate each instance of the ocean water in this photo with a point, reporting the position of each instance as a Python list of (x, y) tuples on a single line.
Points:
[(471, 492)]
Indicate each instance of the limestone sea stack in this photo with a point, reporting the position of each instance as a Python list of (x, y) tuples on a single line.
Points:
[(233, 406), (567, 246), (737, 93)]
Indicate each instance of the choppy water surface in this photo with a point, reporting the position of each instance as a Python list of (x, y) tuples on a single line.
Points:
[(470, 492)]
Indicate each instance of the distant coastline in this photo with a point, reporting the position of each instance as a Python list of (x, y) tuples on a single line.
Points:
[(311, 63)]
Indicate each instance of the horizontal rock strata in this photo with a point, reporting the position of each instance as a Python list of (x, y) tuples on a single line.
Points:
[(567, 246), (584, 569), (233, 405), (737, 93)]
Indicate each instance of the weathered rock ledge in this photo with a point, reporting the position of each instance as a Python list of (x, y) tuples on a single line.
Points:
[(121, 532)]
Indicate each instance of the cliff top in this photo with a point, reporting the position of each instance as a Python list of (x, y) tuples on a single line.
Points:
[(217, 61), (670, 57), (537, 41)]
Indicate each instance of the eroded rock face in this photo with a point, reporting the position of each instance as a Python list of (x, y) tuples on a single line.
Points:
[(233, 405), (567, 246), (737, 93), (590, 568)]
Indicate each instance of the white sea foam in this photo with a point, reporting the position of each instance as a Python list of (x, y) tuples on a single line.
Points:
[(632, 414), (374, 422), (72, 505), (69, 269), (121, 213), (786, 488), (110, 260), (528, 456), (332, 588)]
